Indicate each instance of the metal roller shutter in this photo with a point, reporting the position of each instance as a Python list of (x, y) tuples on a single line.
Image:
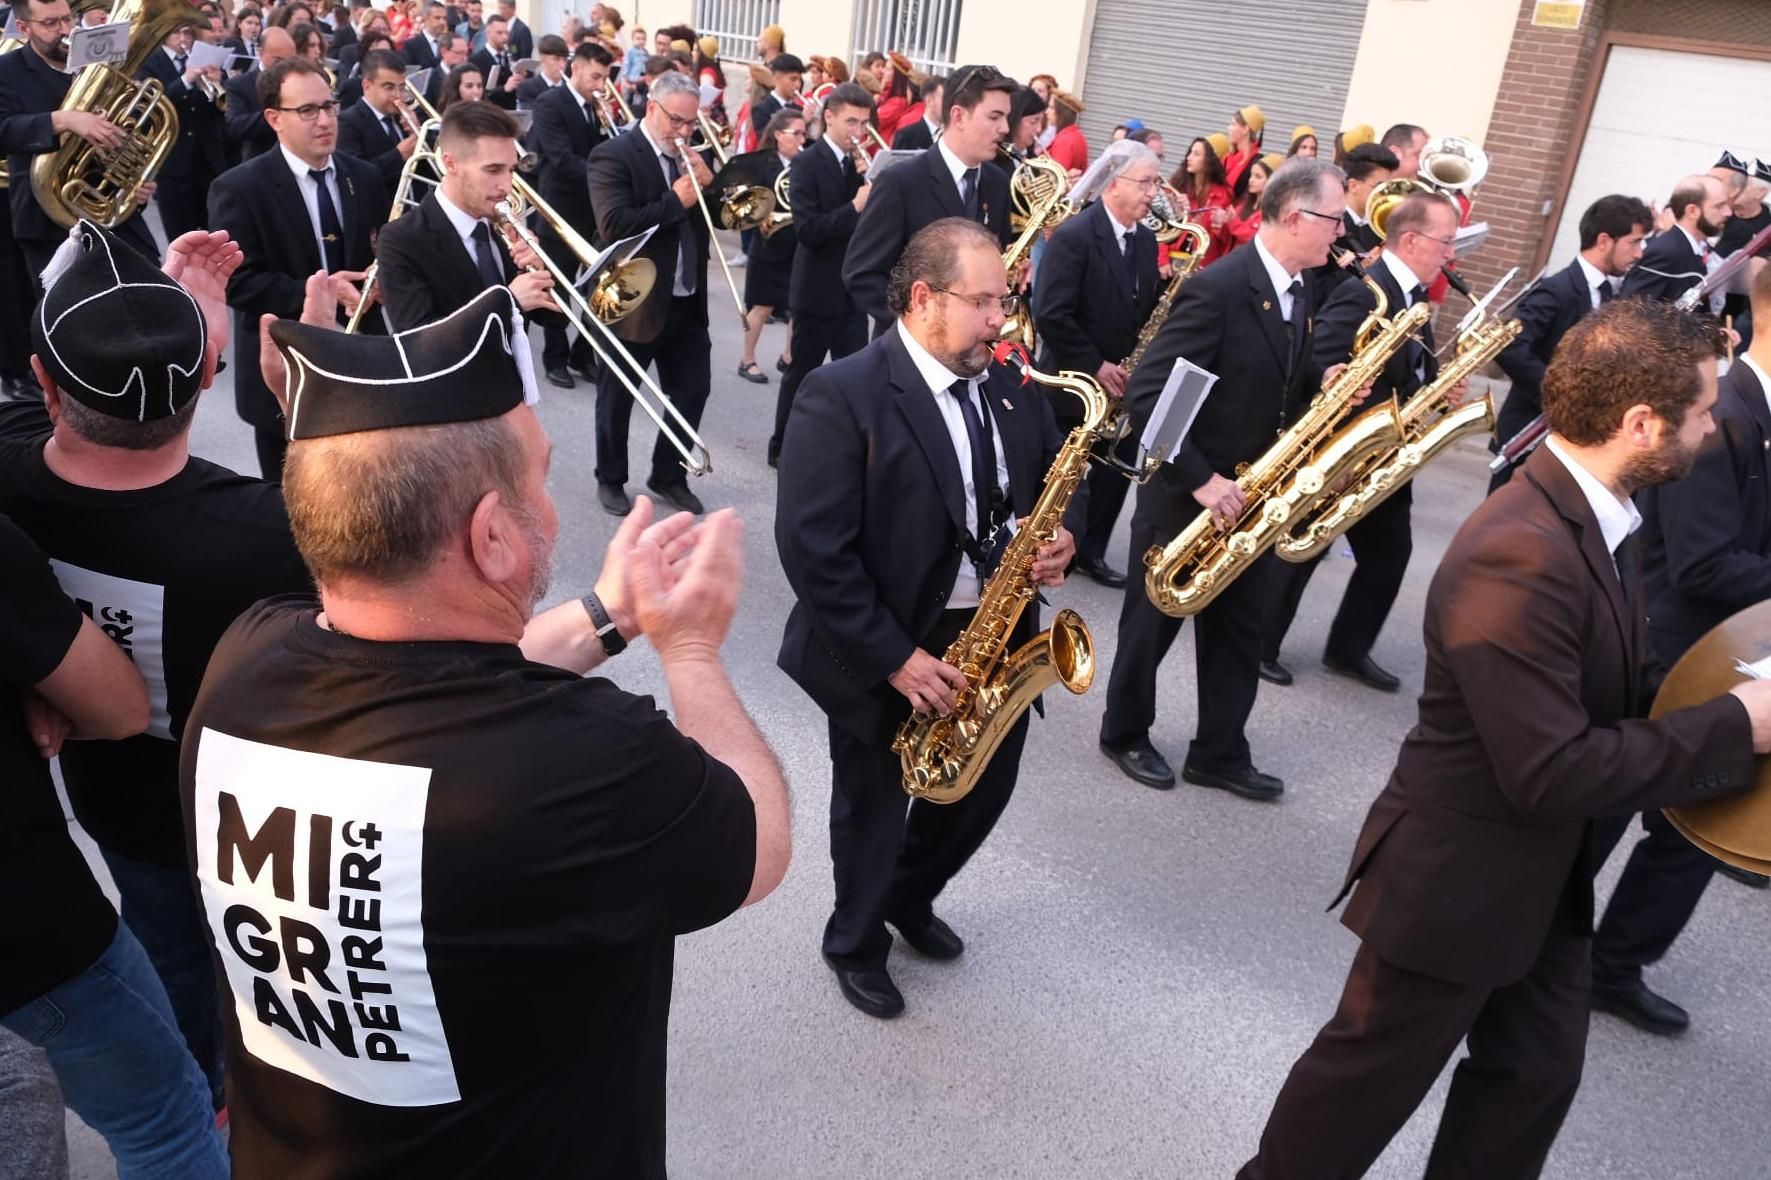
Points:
[(1183, 66)]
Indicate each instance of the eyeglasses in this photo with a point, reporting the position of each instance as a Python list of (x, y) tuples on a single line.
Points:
[(308, 112), (796, 132), (54, 22), (677, 120), (1148, 184), (1448, 243), (1334, 217), (1010, 304)]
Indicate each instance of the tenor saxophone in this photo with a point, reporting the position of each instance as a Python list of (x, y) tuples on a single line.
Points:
[(943, 756), (1289, 479), (1189, 262), (1430, 421)]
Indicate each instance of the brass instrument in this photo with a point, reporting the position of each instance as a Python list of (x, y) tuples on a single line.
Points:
[(1185, 263), (943, 757), (1386, 198), (79, 180), (1453, 165), (713, 242), (1290, 478), (879, 143), (7, 45), (1167, 220), (746, 206), (620, 115), (782, 215), (588, 318), (716, 139), (1037, 195), (423, 158)]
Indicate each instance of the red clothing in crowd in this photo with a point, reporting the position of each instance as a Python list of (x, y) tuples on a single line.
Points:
[(892, 113), (1237, 163), (1439, 286), (1217, 197), (1243, 229), (1069, 148)]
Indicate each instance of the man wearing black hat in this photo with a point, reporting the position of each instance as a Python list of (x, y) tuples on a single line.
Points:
[(418, 832), (788, 71), (1677, 260), (296, 210)]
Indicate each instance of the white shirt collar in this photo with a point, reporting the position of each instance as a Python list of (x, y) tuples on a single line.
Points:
[(938, 377), (1405, 276), (954, 164), (830, 141), (1698, 245), (934, 125), (1596, 278), (299, 166), (785, 162), (1119, 231), (1276, 274), (1358, 217), (464, 225), (1617, 518), (1741, 358)]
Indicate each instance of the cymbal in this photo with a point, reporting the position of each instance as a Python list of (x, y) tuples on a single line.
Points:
[(1737, 828)]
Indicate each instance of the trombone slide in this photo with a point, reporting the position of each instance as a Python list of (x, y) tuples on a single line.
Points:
[(712, 232)]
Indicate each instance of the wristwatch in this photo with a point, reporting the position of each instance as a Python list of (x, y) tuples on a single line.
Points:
[(606, 631)]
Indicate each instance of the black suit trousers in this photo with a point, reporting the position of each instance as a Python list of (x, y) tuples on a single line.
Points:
[(18, 299), (1662, 882), (681, 352), (558, 350), (1382, 542), (1106, 487), (889, 867), (814, 337), (1227, 646), (183, 200), (1371, 1065)]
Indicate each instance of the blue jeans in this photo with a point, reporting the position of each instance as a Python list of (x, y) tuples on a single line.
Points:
[(123, 1067), (160, 908)]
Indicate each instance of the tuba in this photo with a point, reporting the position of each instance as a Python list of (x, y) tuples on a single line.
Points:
[(79, 180), (1453, 165)]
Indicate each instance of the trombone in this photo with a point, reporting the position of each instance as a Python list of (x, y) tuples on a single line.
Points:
[(712, 231), (715, 138), (404, 199), (616, 112), (633, 280)]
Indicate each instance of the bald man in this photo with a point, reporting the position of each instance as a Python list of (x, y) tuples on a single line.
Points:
[(1678, 259), (247, 132)]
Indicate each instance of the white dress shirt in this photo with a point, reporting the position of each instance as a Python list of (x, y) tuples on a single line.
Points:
[(1408, 281), (1741, 358), (938, 377), (683, 282), (958, 167), (464, 226), (1617, 515), (310, 195), (1277, 275), (1595, 277), (1119, 231)]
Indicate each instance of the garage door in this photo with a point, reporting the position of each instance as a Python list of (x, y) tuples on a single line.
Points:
[(1182, 66), (1657, 118)]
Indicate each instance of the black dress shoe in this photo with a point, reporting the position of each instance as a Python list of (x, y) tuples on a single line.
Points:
[(1642, 1008), (1099, 571), (678, 496), (932, 939), (1247, 782), (561, 378), (1143, 763), (1745, 876), (871, 990), (1273, 672), (782, 364), (587, 371), (1365, 671), (614, 499)]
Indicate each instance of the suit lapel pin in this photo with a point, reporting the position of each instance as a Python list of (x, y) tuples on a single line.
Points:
[(1006, 406), (1266, 305)]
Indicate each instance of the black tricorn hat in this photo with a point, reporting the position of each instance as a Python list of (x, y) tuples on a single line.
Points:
[(1732, 163), (115, 332), (1761, 171), (469, 365)]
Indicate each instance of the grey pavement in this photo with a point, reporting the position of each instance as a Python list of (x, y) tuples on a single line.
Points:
[(1142, 966)]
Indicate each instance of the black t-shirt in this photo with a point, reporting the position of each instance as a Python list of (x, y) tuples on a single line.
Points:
[(54, 921), (443, 882), (163, 570)]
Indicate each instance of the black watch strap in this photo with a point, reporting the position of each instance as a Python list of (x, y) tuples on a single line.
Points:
[(606, 631)]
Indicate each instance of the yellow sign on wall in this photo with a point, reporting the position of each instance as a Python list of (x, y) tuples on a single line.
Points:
[(1557, 14)]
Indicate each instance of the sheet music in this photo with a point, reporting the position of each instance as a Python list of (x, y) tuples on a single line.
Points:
[(890, 159), (492, 78), (101, 44), (420, 80), (616, 254), (205, 55), (1176, 409)]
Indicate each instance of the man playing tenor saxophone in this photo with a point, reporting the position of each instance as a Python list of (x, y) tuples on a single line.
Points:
[(902, 469)]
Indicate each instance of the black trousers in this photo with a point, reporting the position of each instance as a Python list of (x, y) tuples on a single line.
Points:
[(1228, 648), (1106, 488), (558, 350), (183, 201), (814, 337), (1382, 542), (1662, 882), (1371, 1065), (889, 866), (681, 353)]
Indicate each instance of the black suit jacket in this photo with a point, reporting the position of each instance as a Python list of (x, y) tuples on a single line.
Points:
[(202, 146), (1358, 237), (238, 45), (533, 87), (1337, 326), (361, 135), (762, 112), (425, 269), (629, 194), (1225, 320), (913, 137), (418, 54), (1546, 312), (483, 60), (565, 137), (1706, 539), (824, 217), (1082, 305), (246, 128), (869, 516), (1669, 267), (906, 198), (345, 38), (1538, 674), (522, 42), (260, 206)]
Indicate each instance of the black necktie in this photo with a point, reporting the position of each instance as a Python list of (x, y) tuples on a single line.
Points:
[(685, 260), (1606, 294), (983, 455), (1131, 262), (485, 257), (1418, 295), (968, 193), (1294, 324), (179, 59), (503, 66), (331, 228), (393, 131)]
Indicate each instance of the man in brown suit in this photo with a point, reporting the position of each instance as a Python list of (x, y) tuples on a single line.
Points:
[(1475, 896)]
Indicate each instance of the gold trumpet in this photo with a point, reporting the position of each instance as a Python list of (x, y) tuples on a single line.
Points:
[(683, 149)]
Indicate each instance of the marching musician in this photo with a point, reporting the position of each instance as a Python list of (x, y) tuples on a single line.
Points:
[(638, 182), (1750, 216), (569, 122), (374, 129), (1406, 142), (425, 50), (902, 467), (787, 72), (829, 189), (487, 835), (249, 134), (1098, 285), (300, 209), (521, 42), (948, 181), (1418, 244), (768, 270), (1247, 319), (1706, 553), (1675, 261), (1532, 727), (495, 63), (1367, 166), (33, 82), (1612, 231), (920, 135), (199, 154), (553, 54)]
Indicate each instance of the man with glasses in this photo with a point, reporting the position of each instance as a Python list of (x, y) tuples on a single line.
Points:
[(902, 471), (33, 82), (639, 181), (1247, 319), (301, 208), (1420, 242), (949, 180), (1098, 284), (374, 128)]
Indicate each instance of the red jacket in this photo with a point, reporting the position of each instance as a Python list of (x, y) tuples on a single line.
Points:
[(1243, 229), (890, 113), (1237, 163), (1070, 148), (1217, 197)]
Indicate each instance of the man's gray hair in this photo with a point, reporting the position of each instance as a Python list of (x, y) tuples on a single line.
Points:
[(1296, 185), (1119, 158), (665, 85)]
